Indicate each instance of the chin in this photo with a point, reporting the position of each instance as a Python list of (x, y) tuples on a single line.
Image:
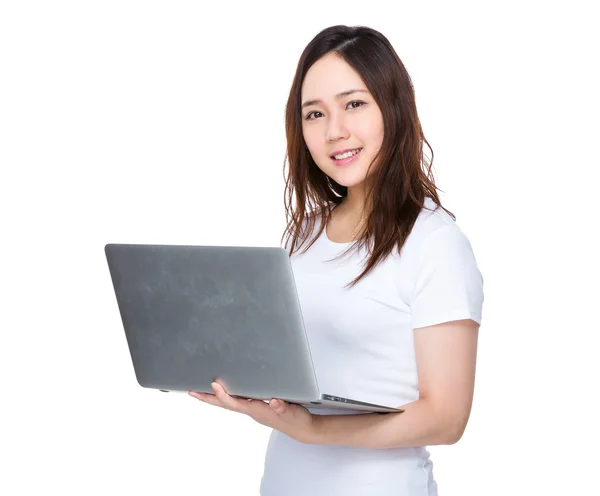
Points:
[(348, 180)]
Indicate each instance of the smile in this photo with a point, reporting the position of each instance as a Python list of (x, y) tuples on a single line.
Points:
[(347, 157)]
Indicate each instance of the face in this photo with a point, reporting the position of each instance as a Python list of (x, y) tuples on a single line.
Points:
[(341, 123)]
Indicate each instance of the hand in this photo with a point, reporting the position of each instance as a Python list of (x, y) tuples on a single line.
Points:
[(293, 420)]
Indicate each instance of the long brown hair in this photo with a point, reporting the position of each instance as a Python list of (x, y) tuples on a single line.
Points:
[(402, 176)]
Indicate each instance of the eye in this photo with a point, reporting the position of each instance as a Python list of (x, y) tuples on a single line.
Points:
[(310, 115), (355, 104)]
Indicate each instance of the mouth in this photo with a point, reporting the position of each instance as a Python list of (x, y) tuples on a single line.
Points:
[(346, 157)]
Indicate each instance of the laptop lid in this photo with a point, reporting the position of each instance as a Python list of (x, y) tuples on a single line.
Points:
[(192, 314)]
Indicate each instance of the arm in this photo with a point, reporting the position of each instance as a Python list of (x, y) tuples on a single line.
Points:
[(446, 356)]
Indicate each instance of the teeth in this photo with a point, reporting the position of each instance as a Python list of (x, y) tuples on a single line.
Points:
[(347, 154)]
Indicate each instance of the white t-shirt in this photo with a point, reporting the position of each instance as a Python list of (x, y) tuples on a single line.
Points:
[(362, 345)]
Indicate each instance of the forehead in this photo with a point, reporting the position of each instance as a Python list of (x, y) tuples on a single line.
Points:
[(328, 76)]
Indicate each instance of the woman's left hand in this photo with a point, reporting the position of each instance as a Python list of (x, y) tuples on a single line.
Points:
[(293, 420)]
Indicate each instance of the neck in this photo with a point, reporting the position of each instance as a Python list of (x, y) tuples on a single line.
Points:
[(354, 202)]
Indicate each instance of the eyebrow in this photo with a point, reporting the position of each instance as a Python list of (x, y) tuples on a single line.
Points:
[(339, 96)]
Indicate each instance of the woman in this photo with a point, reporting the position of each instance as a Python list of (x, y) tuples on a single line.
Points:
[(388, 283)]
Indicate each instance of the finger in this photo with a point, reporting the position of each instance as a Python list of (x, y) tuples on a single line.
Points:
[(199, 396), (211, 399), (228, 401), (278, 406)]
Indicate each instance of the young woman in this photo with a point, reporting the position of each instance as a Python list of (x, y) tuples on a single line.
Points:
[(389, 287)]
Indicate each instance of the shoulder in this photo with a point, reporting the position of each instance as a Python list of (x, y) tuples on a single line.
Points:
[(432, 219), (437, 248), (445, 278), (433, 227)]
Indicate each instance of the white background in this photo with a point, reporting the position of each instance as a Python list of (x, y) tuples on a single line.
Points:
[(162, 122)]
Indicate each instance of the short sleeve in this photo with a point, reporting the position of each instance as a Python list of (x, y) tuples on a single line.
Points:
[(448, 284)]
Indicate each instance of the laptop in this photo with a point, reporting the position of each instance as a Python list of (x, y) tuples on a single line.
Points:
[(194, 314)]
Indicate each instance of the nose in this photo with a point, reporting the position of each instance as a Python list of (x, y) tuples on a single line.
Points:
[(336, 129)]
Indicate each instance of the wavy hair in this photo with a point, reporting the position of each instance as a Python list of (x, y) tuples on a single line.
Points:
[(402, 177)]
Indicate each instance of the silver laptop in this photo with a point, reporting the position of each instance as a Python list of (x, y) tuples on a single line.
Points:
[(193, 314)]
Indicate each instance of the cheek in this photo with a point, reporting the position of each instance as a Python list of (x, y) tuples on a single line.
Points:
[(314, 144), (372, 133)]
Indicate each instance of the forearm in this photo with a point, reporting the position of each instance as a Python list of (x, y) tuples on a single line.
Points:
[(418, 425)]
